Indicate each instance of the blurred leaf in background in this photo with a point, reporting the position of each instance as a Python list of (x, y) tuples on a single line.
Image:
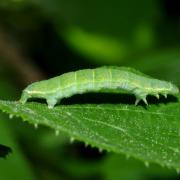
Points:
[(108, 31)]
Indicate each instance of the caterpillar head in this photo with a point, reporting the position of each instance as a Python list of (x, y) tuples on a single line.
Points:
[(36, 89)]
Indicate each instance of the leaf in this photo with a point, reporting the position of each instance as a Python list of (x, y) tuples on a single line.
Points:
[(130, 169), (162, 64), (97, 47), (151, 134), (108, 35), (15, 166), (106, 18)]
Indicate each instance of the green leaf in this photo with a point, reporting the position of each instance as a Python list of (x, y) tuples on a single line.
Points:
[(102, 48), (15, 166), (162, 64), (151, 134), (111, 33), (115, 166)]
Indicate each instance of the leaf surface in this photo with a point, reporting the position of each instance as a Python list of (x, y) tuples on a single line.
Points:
[(151, 133)]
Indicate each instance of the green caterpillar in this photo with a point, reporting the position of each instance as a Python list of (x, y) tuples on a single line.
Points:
[(96, 80)]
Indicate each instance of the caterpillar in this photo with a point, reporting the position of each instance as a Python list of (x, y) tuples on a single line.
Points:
[(95, 80)]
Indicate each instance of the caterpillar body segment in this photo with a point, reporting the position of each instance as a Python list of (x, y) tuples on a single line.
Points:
[(95, 80)]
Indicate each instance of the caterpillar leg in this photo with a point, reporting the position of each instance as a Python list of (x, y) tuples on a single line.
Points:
[(51, 102), (140, 95), (145, 101), (138, 100), (157, 96)]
